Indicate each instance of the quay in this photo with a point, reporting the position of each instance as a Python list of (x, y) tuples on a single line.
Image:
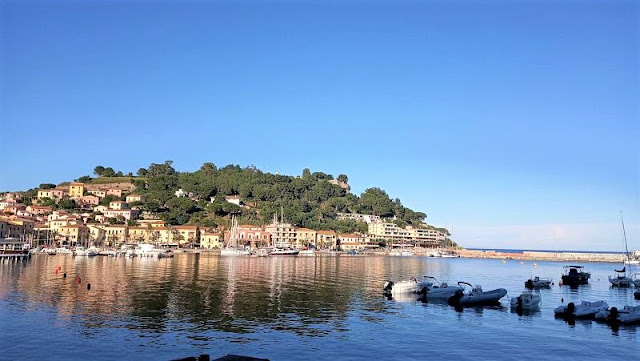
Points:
[(13, 249), (544, 256)]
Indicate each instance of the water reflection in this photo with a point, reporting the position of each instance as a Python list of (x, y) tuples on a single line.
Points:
[(204, 300)]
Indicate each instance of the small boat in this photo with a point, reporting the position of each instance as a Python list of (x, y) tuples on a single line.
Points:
[(575, 275), (632, 261), (284, 252), (409, 286), (449, 255), (80, 251), (262, 252), (537, 282), (627, 315), (584, 309), (167, 253), (63, 250), (476, 297), (527, 301), (635, 279), (234, 251), (352, 252), (92, 251), (307, 252), (621, 279), (636, 295), (435, 290)]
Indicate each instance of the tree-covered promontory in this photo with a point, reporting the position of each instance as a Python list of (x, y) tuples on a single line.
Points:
[(311, 200)]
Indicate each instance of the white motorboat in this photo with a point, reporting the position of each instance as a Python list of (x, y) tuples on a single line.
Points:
[(584, 309), (632, 261), (284, 252), (63, 250), (92, 251), (80, 251), (434, 290), (527, 301), (476, 297), (449, 255), (537, 282), (408, 286), (307, 252), (165, 253), (629, 314), (146, 250), (235, 252)]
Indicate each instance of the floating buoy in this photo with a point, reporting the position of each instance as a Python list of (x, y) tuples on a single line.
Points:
[(503, 261), (88, 286), (560, 284), (56, 271), (64, 276), (535, 264), (78, 280), (562, 300), (521, 262)]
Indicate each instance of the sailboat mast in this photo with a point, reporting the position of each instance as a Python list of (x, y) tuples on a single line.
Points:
[(624, 233)]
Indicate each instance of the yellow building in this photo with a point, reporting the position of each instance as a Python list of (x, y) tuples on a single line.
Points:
[(74, 234), (118, 205), (210, 240), (185, 234), (135, 198), (115, 234), (326, 239), (76, 189), (305, 237)]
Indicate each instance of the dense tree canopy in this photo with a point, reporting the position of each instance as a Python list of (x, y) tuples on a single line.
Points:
[(308, 201)]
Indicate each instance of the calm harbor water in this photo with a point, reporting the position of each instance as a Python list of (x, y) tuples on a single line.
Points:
[(290, 308)]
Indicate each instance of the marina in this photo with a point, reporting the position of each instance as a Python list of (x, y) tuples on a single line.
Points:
[(265, 306)]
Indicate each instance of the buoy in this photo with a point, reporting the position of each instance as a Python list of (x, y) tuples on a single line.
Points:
[(78, 280), (64, 276), (56, 271), (535, 265), (562, 300), (560, 284), (88, 286)]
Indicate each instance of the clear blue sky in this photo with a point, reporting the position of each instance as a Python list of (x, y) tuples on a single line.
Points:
[(517, 125)]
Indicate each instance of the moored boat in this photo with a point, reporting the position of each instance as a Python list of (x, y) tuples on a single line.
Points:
[(583, 309), (537, 282), (284, 252), (434, 290), (407, 286), (476, 296), (626, 315), (307, 252), (575, 275), (527, 301), (620, 279)]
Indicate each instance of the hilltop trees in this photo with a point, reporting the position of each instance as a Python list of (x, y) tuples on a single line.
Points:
[(308, 201)]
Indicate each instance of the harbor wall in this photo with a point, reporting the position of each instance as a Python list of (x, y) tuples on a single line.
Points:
[(545, 256)]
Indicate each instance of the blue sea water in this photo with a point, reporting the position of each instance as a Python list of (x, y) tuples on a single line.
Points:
[(291, 308)]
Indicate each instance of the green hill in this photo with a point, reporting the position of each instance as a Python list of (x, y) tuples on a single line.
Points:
[(309, 200)]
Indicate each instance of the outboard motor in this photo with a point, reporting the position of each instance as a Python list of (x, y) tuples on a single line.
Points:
[(529, 284), (455, 299), (519, 305), (387, 287), (613, 315)]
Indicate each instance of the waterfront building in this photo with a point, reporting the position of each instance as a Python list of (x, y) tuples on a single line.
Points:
[(76, 189), (326, 239), (115, 234), (152, 222), (306, 237), (391, 232), (283, 235), (210, 240), (74, 234), (185, 234)]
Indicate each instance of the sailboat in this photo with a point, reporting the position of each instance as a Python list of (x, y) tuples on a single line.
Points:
[(232, 248), (620, 279)]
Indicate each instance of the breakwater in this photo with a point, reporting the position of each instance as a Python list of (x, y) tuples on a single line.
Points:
[(544, 256)]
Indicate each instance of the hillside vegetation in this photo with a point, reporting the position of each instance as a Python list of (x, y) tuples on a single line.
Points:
[(309, 200)]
